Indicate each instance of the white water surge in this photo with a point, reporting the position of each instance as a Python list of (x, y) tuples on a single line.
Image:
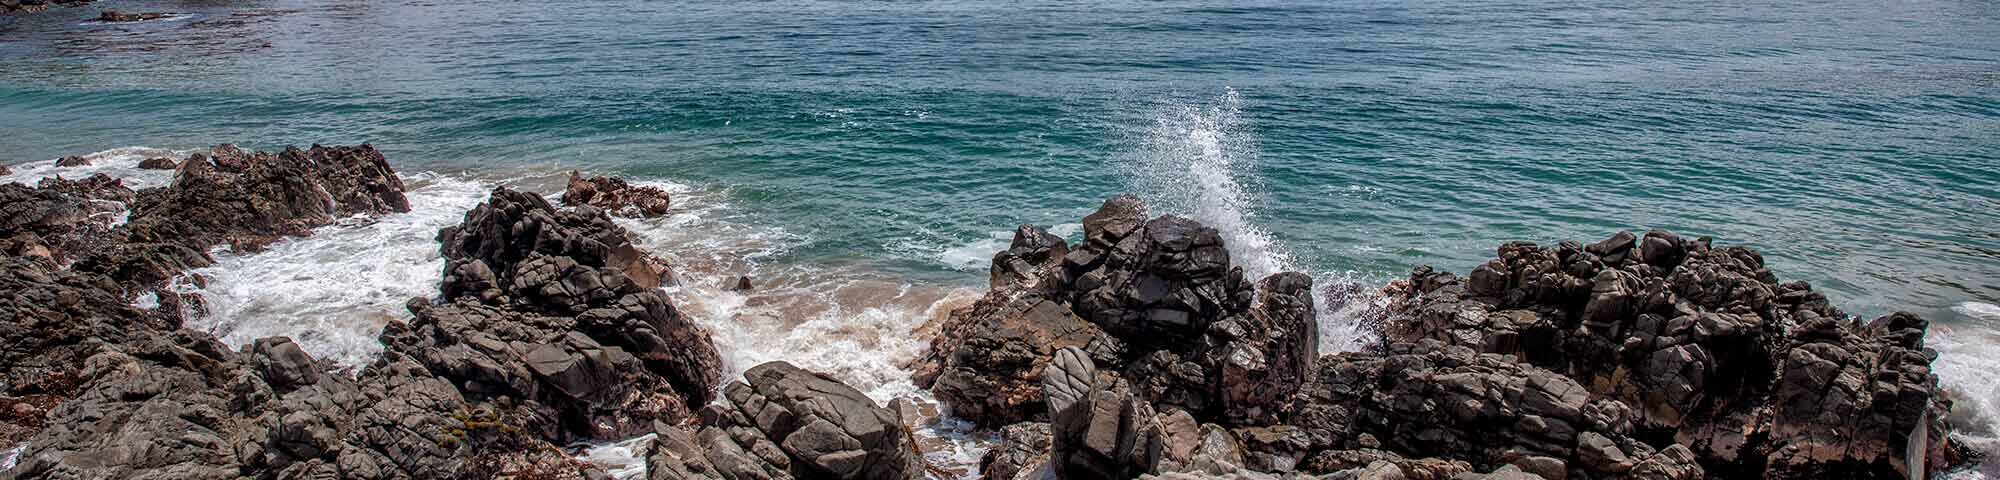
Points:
[(1199, 161), (119, 163), (333, 291)]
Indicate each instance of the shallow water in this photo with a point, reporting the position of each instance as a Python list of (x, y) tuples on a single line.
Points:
[(862, 161)]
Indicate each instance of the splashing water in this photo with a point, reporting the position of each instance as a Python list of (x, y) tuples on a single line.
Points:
[(1200, 161), (333, 291)]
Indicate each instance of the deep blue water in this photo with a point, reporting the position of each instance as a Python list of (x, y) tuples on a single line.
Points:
[(1856, 143)]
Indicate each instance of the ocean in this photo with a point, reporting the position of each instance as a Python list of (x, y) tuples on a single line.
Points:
[(863, 160)]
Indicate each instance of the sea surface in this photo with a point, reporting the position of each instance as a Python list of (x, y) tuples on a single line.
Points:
[(863, 160)]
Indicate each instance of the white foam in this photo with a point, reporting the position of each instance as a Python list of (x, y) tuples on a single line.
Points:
[(858, 327), (623, 459), (333, 291), (12, 455), (1968, 366), (119, 163)]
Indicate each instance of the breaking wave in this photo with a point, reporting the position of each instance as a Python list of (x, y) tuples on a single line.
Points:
[(1200, 161)]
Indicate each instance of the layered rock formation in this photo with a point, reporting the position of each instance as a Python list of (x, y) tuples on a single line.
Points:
[(784, 422), (1651, 356)]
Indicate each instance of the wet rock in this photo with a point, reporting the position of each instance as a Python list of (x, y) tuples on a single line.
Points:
[(117, 16), (157, 163), (742, 284), (614, 195), (73, 161), (59, 220)]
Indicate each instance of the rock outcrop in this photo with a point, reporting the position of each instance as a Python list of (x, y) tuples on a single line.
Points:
[(1156, 300), (614, 195), (474, 386), (1758, 378), (1642, 356), (245, 200)]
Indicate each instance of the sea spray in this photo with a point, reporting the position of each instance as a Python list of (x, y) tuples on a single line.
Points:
[(1200, 160)]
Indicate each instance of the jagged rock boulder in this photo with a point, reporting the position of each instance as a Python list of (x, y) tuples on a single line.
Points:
[(989, 369), (1100, 427), (1155, 300), (518, 252), (614, 195), (785, 422), (1032, 257)]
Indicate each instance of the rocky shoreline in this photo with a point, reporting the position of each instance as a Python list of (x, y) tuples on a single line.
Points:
[(1140, 351)]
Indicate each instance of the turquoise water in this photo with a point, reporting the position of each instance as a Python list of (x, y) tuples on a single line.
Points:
[(1856, 143)]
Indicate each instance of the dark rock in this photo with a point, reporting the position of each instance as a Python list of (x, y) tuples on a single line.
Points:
[(519, 253), (613, 195), (1449, 402), (1156, 301), (1106, 432), (246, 200), (116, 16), (158, 163), (73, 161), (1753, 377), (59, 220), (742, 284), (1033, 256)]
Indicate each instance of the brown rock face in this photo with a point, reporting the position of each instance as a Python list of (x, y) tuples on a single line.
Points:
[(614, 195)]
